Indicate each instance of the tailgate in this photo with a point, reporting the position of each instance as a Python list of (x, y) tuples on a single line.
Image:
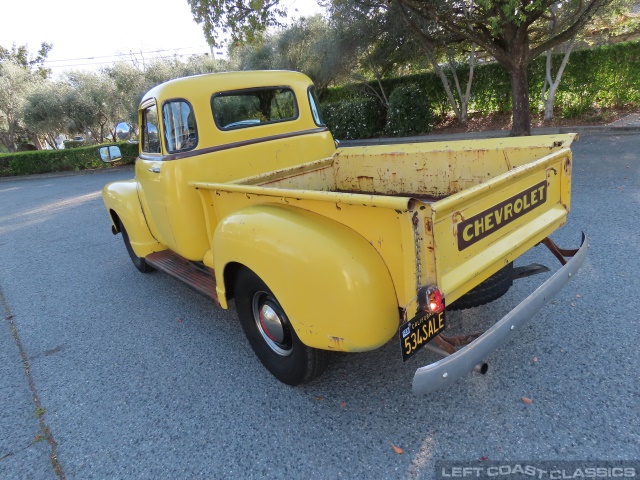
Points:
[(480, 229)]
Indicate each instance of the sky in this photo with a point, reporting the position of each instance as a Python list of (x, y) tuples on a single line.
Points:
[(86, 34)]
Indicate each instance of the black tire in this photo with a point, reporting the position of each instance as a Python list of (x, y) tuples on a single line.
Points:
[(491, 289), (138, 262), (279, 349)]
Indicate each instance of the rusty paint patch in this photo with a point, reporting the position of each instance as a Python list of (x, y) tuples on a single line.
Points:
[(506, 159), (456, 215), (366, 183)]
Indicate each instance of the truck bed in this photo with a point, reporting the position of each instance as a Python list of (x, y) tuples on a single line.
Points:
[(424, 196), (412, 170)]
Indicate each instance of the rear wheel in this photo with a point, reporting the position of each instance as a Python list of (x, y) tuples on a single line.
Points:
[(139, 262), (491, 289), (271, 335)]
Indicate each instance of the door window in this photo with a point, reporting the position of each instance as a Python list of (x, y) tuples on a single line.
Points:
[(150, 140), (180, 132)]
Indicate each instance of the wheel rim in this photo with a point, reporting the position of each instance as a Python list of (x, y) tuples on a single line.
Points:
[(272, 324)]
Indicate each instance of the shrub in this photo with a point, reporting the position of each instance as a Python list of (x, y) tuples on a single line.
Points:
[(353, 119), (45, 161), (409, 112), (74, 144)]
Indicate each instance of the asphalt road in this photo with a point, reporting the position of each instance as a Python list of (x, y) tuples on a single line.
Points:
[(109, 373)]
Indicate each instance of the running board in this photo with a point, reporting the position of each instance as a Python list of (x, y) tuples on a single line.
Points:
[(201, 279)]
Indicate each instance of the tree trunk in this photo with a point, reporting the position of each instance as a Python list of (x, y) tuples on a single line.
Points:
[(429, 51), (521, 124), (553, 84), (35, 140)]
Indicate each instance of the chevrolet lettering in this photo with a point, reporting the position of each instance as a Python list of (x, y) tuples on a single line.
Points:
[(487, 222), (242, 193)]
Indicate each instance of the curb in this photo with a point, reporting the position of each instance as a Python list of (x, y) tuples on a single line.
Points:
[(75, 173)]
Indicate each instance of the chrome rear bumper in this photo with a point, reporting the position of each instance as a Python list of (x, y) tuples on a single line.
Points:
[(439, 374)]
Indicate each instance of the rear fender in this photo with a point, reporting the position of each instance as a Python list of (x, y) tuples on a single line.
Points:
[(123, 205), (334, 286)]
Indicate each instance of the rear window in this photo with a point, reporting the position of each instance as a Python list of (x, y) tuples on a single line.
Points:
[(248, 108)]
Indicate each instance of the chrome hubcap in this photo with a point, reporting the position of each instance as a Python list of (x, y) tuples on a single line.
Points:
[(271, 323)]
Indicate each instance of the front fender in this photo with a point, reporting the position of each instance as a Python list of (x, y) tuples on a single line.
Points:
[(122, 202), (334, 286)]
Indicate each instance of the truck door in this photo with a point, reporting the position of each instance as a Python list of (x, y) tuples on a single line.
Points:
[(152, 176)]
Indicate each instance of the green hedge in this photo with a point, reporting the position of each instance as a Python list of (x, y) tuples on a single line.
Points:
[(350, 119), (74, 144), (409, 112), (45, 161), (603, 77)]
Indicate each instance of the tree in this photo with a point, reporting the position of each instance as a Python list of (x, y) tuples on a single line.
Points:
[(16, 83), (312, 46), (609, 21), (380, 32), (512, 32), (89, 104), (375, 37), (243, 20), (20, 73), (551, 84), (20, 55), (130, 84), (433, 43), (45, 111), (309, 45)]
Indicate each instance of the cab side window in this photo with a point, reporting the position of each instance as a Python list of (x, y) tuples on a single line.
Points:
[(150, 140), (180, 131), (247, 108), (315, 107)]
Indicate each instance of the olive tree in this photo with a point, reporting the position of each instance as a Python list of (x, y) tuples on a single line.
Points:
[(16, 83), (20, 73), (45, 111), (376, 40), (21, 56), (309, 45), (90, 106)]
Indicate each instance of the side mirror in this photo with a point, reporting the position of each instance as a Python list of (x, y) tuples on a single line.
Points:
[(123, 132), (110, 154)]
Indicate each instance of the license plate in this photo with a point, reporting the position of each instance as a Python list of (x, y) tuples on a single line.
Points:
[(419, 331)]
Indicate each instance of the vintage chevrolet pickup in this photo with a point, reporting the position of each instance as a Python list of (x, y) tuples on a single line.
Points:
[(241, 191)]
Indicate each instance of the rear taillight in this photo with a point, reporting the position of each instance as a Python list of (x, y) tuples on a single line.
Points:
[(430, 299)]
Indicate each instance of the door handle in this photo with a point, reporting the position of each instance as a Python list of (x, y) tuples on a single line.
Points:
[(155, 170)]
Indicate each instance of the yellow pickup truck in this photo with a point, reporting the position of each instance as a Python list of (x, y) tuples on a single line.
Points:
[(241, 191)]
